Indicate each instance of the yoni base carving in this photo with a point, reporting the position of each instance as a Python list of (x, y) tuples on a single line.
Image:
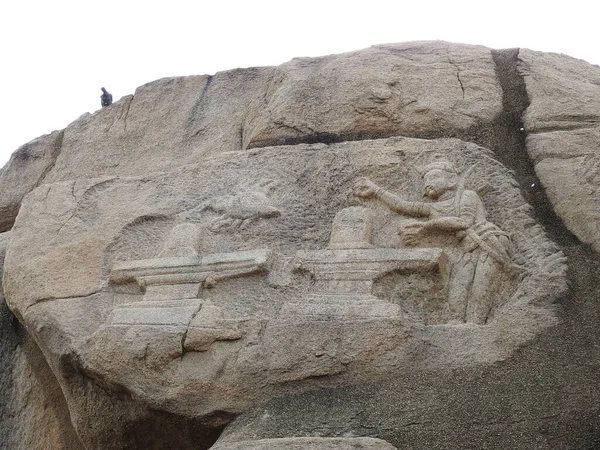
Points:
[(172, 287), (343, 280), (168, 313)]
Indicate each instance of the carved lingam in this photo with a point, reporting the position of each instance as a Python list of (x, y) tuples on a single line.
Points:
[(344, 273), (173, 288)]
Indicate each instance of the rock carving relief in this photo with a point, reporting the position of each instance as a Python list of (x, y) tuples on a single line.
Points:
[(476, 263), (173, 284), (344, 274), (457, 265), (336, 279), (379, 280), (445, 238), (239, 210)]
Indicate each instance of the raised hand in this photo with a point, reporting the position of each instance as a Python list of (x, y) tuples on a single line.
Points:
[(365, 188)]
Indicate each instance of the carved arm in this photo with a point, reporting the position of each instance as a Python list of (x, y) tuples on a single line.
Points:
[(366, 188), (447, 224), (396, 204)]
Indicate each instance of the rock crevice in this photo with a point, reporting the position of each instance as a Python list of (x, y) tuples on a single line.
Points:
[(510, 144)]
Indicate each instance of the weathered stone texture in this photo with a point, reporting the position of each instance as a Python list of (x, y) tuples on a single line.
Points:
[(26, 169), (415, 89), (166, 124), (33, 412), (340, 252), (305, 443), (562, 122)]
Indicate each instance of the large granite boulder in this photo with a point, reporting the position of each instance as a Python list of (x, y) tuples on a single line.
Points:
[(563, 135), (352, 251)]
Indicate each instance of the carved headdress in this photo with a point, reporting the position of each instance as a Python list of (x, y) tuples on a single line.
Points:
[(440, 164)]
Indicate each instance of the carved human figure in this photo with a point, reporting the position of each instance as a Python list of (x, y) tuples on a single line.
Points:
[(479, 252)]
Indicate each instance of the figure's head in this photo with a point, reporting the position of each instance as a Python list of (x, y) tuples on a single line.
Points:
[(439, 177), (103, 90)]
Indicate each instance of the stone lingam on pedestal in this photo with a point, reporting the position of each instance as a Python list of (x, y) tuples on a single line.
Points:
[(344, 274), (173, 285)]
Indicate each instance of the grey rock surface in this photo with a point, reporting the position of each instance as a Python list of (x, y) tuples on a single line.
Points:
[(562, 122), (33, 412), (417, 89), (26, 169), (305, 443), (389, 248)]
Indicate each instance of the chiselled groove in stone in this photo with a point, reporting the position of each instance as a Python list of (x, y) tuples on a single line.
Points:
[(511, 150)]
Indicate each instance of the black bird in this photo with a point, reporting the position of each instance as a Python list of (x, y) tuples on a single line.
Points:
[(105, 98)]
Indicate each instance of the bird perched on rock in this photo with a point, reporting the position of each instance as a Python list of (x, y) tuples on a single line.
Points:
[(105, 98)]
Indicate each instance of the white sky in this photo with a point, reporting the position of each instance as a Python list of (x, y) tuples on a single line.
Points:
[(57, 54)]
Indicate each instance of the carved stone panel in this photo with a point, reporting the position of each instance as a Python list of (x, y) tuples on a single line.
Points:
[(230, 279)]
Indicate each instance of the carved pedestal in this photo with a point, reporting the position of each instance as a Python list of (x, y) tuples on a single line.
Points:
[(343, 280), (173, 286)]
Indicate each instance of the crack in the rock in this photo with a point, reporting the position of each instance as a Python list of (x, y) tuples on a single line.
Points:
[(185, 333), (127, 113), (56, 299), (508, 144), (124, 105), (241, 140), (461, 83), (53, 157), (462, 87), (568, 126), (72, 212), (333, 138), (298, 129), (197, 108)]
